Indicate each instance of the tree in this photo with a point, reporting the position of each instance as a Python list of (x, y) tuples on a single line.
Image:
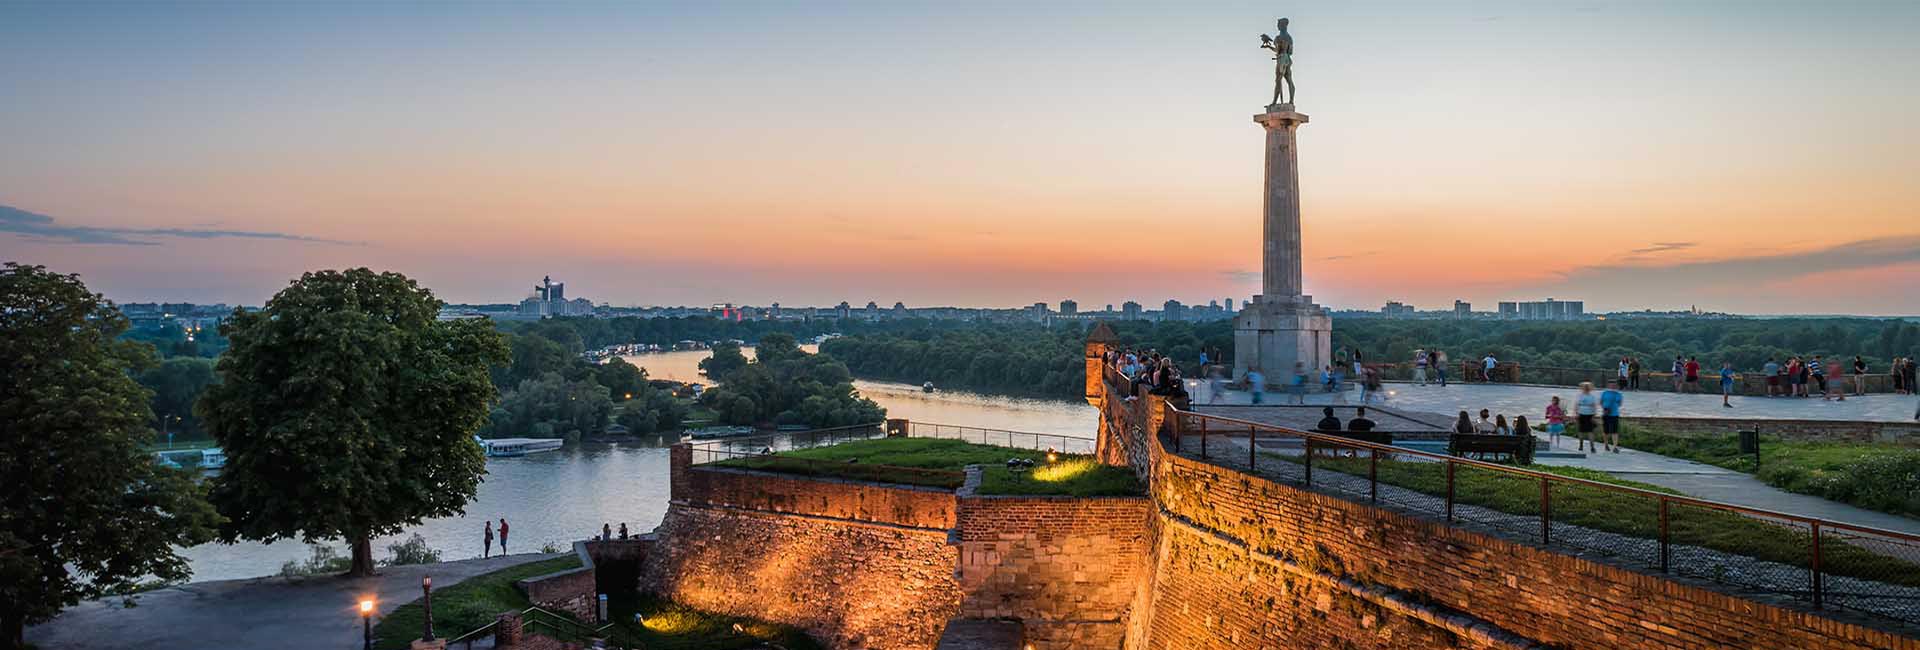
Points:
[(177, 383), (86, 510), (624, 381), (726, 359), (347, 410), (552, 406)]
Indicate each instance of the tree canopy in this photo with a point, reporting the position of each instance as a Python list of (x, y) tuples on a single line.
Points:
[(347, 410), (788, 386), (84, 510)]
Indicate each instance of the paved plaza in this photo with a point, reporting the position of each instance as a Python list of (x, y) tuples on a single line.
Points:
[(1532, 400), (317, 613)]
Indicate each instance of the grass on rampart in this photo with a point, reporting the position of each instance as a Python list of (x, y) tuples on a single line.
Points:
[(881, 460), (466, 605), (1876, 476), (1628, 514), (476, 601)]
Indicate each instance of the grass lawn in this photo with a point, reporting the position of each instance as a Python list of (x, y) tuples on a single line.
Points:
[(671, 626), (1876, 476), (880, 459), (1627, 514), (465, 606)]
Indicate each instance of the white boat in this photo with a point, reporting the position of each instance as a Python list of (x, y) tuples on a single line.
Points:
[(707, 433), (519, 446)]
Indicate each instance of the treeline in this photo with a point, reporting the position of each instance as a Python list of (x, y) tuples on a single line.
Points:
[(1036, 360), (1014, 358), (1746, 343), (784, 385)]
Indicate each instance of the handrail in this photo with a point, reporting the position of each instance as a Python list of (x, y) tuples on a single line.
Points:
[(879, 426), (945, 474), (1343, 442), (1024, 433)]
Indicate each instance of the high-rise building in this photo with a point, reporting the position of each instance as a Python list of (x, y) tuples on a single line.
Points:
[(1173, 310), (1462, 309), (1229, 304), (1038, 311), (1509, 310), (1069, 307), (1396, 309), (1130, 310), (1548, 309), (843, 310)]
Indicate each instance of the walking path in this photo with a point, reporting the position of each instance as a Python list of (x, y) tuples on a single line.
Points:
[(318, 613), (1532, 400), (1693, 479)]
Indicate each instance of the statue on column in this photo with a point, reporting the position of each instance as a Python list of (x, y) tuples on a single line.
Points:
[(1282, 46)]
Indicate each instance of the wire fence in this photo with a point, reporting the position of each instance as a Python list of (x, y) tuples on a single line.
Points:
[(1004, 438), (1828, 563)]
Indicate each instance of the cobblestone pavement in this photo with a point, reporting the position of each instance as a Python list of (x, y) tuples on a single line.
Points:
[(316, 613)]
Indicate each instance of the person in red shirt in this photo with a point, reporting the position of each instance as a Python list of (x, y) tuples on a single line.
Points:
[(1693, 373), (503, 535)]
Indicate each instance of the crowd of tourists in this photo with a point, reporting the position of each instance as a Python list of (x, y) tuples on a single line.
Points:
[(1595, 417), (1149, 370)]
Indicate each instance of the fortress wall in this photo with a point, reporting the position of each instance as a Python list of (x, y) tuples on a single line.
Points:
[(1067, 568)]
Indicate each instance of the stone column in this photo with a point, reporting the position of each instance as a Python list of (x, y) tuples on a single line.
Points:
[(1281, 204)]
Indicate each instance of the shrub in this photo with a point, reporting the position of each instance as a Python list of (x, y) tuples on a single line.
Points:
[(320, 560), (412, 551)]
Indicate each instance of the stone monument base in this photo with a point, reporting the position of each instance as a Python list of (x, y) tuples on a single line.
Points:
[(1273, 334)]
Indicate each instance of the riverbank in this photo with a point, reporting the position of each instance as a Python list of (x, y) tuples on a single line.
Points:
[(312, 613)]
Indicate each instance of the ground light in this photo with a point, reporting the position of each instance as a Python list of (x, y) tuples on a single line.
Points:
[(366, 624)]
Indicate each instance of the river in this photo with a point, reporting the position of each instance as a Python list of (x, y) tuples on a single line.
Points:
[(561, 496)]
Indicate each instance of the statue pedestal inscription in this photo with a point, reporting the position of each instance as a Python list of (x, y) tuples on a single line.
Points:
[(1281, 326)]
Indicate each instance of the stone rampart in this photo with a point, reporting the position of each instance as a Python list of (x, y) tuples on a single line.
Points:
[(901, 505), (574, 591), (1239, 561), (1067, 568), (1907, 433), (851, 584)]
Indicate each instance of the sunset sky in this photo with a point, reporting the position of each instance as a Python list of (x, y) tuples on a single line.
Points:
[(1759, 157)]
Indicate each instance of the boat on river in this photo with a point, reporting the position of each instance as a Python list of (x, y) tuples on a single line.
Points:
[(709, 433), (507, 447)]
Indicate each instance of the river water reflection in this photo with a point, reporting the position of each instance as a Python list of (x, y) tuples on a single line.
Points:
[(562, 496)]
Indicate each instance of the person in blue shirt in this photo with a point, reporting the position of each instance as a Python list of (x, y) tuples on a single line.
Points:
[(1726, 384), (1257, 383), (1610, 415)]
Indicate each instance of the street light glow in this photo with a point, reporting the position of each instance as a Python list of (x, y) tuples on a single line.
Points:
[(366, 607)]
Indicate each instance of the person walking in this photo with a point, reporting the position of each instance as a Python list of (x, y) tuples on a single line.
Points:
[(1217, 383), (487, 550), (503, 535), (1420, 366), (1556, 420), (1610, 417), (1489, 363), (1584, 408), (1440, 366), (1297, 391), (1726, 384), (1819, 372), (1257, 384), (1693, 374), (1859, 376), (1772, 371)]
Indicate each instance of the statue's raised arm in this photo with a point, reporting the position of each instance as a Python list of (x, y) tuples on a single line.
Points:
[(1282, 46)]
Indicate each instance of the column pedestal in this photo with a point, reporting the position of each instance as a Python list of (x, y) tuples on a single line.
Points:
[(1273, 335)]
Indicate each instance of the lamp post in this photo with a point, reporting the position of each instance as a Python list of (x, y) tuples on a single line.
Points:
[(426, 592), (366, 624)]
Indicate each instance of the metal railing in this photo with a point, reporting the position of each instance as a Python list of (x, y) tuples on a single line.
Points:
[(764, 452), (559, 626), (1004, 438), (1825, 562), (719, 449)]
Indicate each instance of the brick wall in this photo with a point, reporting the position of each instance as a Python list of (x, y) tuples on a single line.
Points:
[(1907, 433), (573, 591), (850, 584), (1067, 568), (771, 492), (1242, 562)]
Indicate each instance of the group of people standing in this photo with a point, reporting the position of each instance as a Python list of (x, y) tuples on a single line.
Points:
[(503, 538), (1149, 369), (1904, 370), (1589, 409)]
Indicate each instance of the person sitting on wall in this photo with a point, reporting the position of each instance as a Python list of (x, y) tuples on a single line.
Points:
[(1328, 424), (1359, 423)]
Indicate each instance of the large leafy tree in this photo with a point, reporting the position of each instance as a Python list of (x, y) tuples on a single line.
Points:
[(84, 510), (347, 410)]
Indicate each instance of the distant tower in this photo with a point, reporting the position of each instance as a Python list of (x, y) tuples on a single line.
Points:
[(1069, 307)]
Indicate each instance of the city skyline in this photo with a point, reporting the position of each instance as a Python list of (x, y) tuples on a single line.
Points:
[(1632, 156)]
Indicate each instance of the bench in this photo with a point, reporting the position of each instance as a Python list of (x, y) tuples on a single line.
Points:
[(1375, 437), (1519, 449)]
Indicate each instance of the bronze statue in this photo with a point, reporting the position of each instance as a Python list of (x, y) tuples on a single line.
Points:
[(1282, 46)]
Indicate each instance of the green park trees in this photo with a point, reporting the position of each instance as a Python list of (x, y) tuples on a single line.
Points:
[(84, 511), (347, 410), (788, 386)]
